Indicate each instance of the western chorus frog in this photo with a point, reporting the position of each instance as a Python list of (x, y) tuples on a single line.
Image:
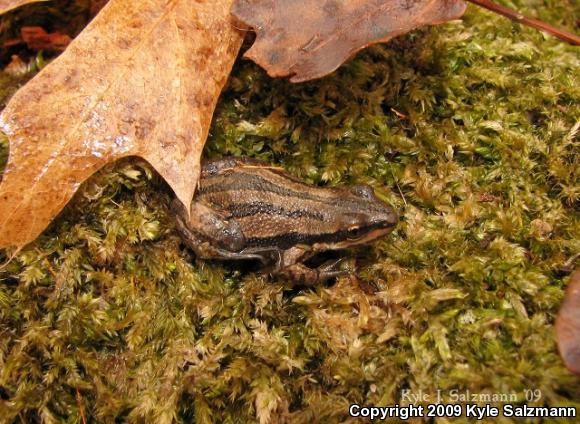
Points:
[(247, 209)]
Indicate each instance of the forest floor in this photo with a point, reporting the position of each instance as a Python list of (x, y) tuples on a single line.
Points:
[(469, 129)]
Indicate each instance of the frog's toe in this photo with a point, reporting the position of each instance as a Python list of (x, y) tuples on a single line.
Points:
[(301, 274)]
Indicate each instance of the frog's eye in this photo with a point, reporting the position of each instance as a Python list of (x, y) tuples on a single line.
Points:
[(355, 232), (363, 191)]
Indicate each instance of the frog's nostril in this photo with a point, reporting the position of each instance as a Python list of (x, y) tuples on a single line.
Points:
[(389, 219)]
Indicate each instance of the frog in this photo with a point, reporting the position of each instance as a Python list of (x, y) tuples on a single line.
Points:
[(247, 209)]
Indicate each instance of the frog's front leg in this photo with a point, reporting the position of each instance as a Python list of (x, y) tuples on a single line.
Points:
[(209, 233), (291, 266)]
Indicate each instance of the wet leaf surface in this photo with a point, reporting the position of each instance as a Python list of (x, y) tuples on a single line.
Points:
[(568, 325), (142, 79), (307, 39)]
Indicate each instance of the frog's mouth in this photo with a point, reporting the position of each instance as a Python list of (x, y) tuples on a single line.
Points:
[(375, 234), (345, 243)]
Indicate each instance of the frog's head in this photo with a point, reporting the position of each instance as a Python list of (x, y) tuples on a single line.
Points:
[(359, 218)]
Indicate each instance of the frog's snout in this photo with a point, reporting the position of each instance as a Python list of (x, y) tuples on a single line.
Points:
[(393, 218), (388, 219)]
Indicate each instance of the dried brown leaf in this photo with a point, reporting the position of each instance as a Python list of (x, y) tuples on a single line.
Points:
[(307, 39), (142, 79), (7, 5), (568, 325)]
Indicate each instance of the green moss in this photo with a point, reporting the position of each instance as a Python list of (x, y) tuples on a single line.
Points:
[(470, 129)]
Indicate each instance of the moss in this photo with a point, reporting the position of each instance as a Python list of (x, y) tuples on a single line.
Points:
[(470, 129)]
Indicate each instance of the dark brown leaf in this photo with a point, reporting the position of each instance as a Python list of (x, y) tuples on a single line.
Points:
[(36, 38), (307, 39), (96, 6), (568, 325)]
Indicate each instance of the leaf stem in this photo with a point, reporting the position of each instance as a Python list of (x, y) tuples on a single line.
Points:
[(531, 22), (80, 405)]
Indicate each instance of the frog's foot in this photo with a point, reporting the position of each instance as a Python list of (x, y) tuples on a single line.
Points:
[(312, 276), (291, 265)]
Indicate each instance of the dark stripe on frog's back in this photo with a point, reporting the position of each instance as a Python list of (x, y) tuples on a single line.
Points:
[(273, 181), (269, 206), (261, 180), (242, 210), (269, 214), (241, 202)]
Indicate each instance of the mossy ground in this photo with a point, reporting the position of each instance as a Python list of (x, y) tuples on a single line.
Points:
[(470, 129)]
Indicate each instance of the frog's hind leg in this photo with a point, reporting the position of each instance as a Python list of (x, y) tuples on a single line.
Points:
[(208, 232)]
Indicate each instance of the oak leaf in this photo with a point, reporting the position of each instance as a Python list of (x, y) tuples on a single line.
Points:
[(307, 39), (7, 5), (142, 79)]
